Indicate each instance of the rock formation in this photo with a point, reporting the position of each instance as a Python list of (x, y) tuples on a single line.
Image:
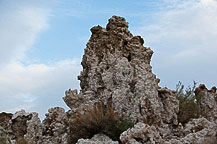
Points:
[(116, 69), (96, 139), (116, 66)]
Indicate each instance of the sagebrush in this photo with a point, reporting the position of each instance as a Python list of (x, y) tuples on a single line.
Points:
[(99, 119)]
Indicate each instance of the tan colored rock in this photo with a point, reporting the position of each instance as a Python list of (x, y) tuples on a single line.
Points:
[(19, 126), (4, 136), (34, 130), (116, 69), (170, 106), (116, 66), (197, 131), (97, 139), (140, 134), (55, 126), (207, 100), (4, 120)]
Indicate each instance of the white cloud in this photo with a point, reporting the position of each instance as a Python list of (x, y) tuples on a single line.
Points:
[(36, 87), (20, 25), (33, 87), (183, 37)]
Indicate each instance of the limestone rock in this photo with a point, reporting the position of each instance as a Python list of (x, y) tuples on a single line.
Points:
[(55, 126), (4, 136), (170, 106), (19, 126), (34, 130), (116, 66), (4, 120), (116, 69), (197, 131), (97, 139), (141, 133), (207, 100)]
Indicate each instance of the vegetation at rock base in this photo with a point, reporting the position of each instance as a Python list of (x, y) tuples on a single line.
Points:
[(188, 103), (99, 119)]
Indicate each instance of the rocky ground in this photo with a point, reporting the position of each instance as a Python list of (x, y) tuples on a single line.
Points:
[(116, 68)]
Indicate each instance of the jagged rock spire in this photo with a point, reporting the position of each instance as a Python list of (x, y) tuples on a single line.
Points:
[(116, 66)]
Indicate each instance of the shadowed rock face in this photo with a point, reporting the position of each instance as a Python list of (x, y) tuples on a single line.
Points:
[(4, 120)]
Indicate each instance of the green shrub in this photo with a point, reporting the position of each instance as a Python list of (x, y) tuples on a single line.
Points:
[(99, 119), (188, 103)]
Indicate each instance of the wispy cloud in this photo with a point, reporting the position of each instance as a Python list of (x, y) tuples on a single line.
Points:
[(183, 35), (36, 87), (20, 26), (33, 87)]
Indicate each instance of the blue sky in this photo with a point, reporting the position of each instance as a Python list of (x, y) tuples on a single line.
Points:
[(42, 43)]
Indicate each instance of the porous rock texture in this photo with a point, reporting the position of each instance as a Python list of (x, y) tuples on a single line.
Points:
[(141, 133), (97, 139), (208, 101), (26, 128), (116, 68)]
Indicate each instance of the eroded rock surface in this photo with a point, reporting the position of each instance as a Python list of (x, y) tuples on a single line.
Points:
[(4, 120), (141, 133), (26, 128), (208, 101), (55, 126), (170, 106), (4, 136), (97, 139), (116, 66), (197, 131), (116, 69)]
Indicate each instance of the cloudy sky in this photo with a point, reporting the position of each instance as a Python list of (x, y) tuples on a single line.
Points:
[(42, 43)]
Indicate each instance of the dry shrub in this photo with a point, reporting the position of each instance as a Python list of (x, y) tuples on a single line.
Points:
[(99, 119)]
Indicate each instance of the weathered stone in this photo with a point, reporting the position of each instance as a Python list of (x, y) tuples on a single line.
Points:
[(4, 136), (116, 66), (55, 126), (19, 126), (141, 133), (116, 69), (34, 130), (207, 100), (197, 131), (4, 120), (170, 106), (97, 139)]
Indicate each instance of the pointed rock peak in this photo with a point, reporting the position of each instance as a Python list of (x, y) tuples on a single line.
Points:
[(116, 22)]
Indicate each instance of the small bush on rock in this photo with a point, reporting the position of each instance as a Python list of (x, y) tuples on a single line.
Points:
[(188, 103), (99, 119)]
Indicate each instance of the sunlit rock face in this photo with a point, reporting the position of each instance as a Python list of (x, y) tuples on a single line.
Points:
[(116, 66), (208, 101), (117, 71)]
